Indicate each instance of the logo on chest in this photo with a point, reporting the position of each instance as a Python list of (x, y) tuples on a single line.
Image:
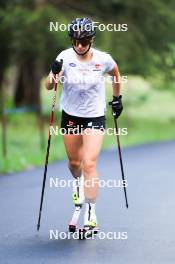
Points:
[(97, 67), (72, 64)]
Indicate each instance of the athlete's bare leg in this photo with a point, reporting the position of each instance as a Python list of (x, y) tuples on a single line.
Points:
[(92, 141), (74, 149)]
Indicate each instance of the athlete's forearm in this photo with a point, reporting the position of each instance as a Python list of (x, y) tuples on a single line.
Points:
[(51, 79), (116, 88), (49, 84), (116, 80)]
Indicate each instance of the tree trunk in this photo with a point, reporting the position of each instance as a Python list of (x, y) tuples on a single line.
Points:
[(3, 116), (27, 90)]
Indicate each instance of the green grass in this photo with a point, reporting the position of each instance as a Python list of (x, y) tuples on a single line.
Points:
[(143, 131), (149, 117), (24, 145)]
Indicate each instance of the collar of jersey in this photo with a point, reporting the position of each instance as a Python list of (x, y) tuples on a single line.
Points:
[(84, 62)]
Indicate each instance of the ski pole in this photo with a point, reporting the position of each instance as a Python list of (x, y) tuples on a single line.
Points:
[(120, 158), (47, 153)]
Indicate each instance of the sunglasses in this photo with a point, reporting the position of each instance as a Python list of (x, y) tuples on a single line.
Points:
[(83, 42)]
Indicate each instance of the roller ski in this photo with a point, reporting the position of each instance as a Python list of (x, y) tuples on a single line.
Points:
[(90, 227), (87, 232)]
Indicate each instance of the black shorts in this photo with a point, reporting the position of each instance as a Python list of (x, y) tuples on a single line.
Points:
[(75, 125)]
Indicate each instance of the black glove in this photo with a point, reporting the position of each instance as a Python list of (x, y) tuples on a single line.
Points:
[(117, 106), (56, 66)]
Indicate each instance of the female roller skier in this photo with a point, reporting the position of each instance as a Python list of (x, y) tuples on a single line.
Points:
[(83, 109)]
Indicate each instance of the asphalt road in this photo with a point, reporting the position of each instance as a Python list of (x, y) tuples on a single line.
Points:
[(148, 224)]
